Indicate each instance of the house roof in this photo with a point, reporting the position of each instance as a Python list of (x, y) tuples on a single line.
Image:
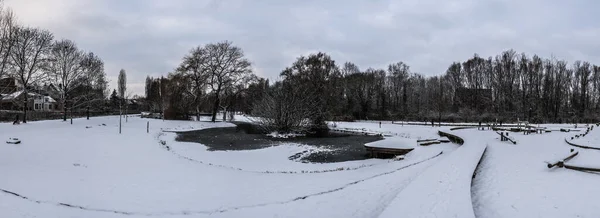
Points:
[(50, 99), (14, 95)]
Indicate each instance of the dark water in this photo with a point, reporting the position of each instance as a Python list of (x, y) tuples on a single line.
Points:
[(346, 147)]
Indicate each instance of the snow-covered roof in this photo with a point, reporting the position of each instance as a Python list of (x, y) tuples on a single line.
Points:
[(13, 95), (49, 99)]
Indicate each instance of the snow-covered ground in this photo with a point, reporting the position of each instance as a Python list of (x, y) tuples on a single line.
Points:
[(89, 170), (443, 190), (514, 181)]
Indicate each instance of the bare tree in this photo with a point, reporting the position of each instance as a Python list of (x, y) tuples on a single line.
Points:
[(232, 92), (286, 108), (7, 38), (197, 73), (317, 72), (227, 65), (31, 46), (66, 71), (94, 83)]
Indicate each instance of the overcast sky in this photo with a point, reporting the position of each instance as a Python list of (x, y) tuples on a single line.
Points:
[(149, 37)]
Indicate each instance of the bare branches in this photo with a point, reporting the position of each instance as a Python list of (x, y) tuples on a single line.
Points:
[(285, 109), (194, 70), (214, 68), (31, 46), (65, 67), (70, 69), (8, 31)]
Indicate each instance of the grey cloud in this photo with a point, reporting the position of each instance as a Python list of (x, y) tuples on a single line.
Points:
[(150, 37)]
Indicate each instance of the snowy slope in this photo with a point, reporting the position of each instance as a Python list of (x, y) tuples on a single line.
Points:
[(443, 190)]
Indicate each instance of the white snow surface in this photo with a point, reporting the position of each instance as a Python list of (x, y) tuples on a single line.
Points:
[(63, 170), (592, 139), (394, 142), (514, 181)]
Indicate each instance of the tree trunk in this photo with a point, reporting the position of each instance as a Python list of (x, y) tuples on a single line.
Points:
[(88, 112), (126, 111), (26, 102), (216, 105), (64, 109), (197, 112)]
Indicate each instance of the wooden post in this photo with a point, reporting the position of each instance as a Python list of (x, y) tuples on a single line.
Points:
[(148, 127)]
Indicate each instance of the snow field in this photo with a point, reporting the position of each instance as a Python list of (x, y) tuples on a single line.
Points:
[(95, 172), (88, 170)]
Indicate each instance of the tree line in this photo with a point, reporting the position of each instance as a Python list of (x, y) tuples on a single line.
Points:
[(34, 58), (508, 87)]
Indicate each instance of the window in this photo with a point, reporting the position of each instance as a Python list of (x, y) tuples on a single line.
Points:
[(37, 106)]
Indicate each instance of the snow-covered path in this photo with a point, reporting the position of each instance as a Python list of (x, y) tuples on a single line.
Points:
[(443, 190)]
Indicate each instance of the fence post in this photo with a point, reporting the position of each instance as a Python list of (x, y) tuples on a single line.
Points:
[(148, 127)]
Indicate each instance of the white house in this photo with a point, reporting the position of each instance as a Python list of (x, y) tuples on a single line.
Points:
[(44, 103)]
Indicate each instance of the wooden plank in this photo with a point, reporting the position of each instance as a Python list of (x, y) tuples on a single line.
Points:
[(453, 138), (557, 163), (429, 143), (571, 167)]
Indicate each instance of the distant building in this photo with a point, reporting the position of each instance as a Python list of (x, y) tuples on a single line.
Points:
[(44, 103), (35, 102)]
